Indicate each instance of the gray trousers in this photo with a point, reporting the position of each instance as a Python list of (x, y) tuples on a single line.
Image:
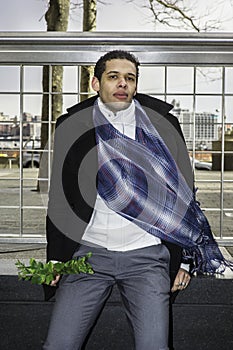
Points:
[(142, 276)]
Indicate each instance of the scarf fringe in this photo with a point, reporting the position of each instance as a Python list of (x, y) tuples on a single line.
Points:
[(202, 265)]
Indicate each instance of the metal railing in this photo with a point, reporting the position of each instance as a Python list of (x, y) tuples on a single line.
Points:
[(166, 58)]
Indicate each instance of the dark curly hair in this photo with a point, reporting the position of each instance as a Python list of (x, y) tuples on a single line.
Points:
[(116, 54)]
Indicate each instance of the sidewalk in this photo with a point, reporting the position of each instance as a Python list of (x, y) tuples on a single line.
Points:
[(10, 253)]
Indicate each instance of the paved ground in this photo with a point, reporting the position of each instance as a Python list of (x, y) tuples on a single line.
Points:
[(10, 253)]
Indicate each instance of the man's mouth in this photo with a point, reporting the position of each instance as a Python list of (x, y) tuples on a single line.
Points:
[(121, 95)]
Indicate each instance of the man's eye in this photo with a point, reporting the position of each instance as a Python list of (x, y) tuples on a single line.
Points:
[(113, 76), (131, 79)]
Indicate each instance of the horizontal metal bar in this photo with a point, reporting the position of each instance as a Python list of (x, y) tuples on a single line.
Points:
[(41, 239), (89, 57), (23, 207), (71, 93), (102, 38), (86, 47), (227, 242), (24, 239)]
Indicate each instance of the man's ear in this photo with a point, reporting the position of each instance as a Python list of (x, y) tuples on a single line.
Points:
[(95, 84)]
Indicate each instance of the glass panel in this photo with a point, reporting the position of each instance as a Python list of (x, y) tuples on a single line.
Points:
[(31, 131), (181, 103), (31, 197), (68, 101), (9, 106), (9, 221), (228, 155), (9, 138), (206, 129), (44, 126), (34, 221), (151, 80), (208, 193), (32, 105), (209, 104), (229, 110), (202, 159), (228, 79), (214, 221), (33, 79), (9, 79), (228, 194), (180, 80), (228, 223), (183, 111), (209, 80), (84, 82), (207, 166), (30, 159), (55, 71), (9, 189), (70, 79)]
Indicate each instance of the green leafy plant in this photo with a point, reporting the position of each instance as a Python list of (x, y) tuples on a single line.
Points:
[(44, 273)]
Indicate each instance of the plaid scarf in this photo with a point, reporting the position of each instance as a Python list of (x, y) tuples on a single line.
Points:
[(140, 180)]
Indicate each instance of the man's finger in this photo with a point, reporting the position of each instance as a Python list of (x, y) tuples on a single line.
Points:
[(55, 281)]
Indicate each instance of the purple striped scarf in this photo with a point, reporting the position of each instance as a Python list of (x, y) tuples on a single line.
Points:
[(139, 180)]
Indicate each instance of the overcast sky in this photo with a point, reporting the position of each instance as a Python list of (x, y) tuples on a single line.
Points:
[(27, 15), (17, 15)]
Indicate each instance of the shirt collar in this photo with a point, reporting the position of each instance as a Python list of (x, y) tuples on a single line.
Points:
[(126, 115)]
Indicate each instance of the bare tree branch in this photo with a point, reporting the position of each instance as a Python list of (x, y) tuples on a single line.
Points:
[(210, 73), (172, 5), (183, 14)]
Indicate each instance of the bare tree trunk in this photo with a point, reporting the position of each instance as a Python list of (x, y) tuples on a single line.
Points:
[(57, 18), (89, 24)]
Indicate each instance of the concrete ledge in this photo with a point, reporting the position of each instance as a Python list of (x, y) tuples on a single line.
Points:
[(203, 317)]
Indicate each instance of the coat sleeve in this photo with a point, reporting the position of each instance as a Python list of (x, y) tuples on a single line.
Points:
[(59, 246)]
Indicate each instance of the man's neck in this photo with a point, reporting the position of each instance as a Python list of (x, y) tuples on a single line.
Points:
[(107, 109)]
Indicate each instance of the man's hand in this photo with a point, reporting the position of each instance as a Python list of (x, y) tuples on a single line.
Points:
[(55, 281), (181, 281)]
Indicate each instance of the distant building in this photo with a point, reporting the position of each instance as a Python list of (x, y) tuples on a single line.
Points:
[(7, 124), (10, 129), (206, 127)]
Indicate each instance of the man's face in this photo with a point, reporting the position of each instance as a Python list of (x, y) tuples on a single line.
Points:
[(118, 84)]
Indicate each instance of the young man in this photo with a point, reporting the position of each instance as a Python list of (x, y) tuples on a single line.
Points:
[(115, 138)]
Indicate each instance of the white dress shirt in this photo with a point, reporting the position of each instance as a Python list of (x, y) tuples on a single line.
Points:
[(107, 228)]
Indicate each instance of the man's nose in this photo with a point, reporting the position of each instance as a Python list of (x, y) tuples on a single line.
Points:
[(122, 83)]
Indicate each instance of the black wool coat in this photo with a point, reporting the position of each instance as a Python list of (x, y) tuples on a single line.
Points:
[(73, 191)]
